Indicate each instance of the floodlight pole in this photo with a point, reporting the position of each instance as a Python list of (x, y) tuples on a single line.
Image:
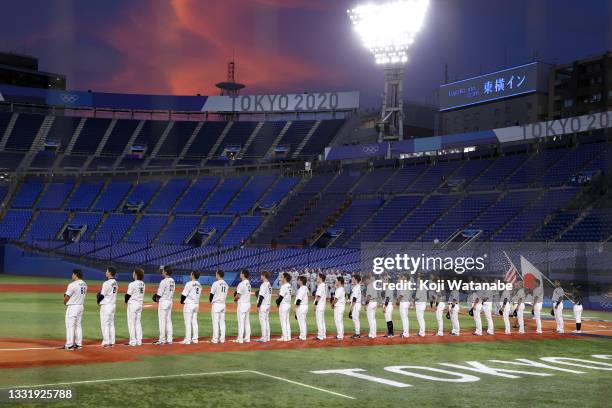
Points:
[(392, 111)]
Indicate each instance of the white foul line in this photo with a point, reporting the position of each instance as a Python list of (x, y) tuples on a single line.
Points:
[(153, 377)]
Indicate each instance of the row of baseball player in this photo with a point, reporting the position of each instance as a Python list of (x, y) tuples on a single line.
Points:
[(363, 294)]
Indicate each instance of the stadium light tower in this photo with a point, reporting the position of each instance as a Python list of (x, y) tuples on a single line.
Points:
[(387, 29)]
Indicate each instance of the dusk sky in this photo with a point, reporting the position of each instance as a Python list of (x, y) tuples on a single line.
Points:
[(182, 46)]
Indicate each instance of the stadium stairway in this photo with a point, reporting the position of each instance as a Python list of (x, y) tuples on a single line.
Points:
[(304, 141), (219, 141), (28, 227), (278, 138), (188, 144), (128, 145), (250, 139), (38, 142), (8, 130)]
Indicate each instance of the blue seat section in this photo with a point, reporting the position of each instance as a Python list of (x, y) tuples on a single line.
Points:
[(24, 132), (205, 139), (46, 226), (459, 216), (113, 228), (5, 118), (524, 223), (371, 182), (144, 191), (296, 134), (27, 194), (434, 176), (402, 178), (596, 226), (13, 223), (220, 223), (572, 163), (91, 135), (10, 161), (84, 195), (470, 170), (181, 227), (498, 172), (558, 223), (168, 196), (424, 215), (263, 140), (251, 193), (344, 182), (112, 196), (177, 138), (119, 137), (279, 191), (3, 192), (150, 134), (385, 219), (146, 229), (502, 211), (55, 195), (62, 130), (240, 231), (196, 195), (534, 167), (238, 135), (222, 196), (43, 160), (359, 211), (322, 137), (91, 220)]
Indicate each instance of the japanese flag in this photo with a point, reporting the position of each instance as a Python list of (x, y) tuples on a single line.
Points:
[(530, 274)]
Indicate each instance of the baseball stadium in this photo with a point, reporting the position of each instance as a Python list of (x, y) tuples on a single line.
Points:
[(297, 237)]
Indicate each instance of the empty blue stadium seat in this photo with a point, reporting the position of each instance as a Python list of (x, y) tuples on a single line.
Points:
[(55, 195), (112, 196), (27, 194), (84, 195), (222, 196), (13, 223), (196, 195)]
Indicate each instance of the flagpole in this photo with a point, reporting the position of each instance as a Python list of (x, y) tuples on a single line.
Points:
[(520, 273)]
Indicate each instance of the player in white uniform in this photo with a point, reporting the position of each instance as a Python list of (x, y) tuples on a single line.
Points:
[(313, 281), (356, 305), (577, 309), (557, 298), (538, 298), (519, 299), (264, 297), (420, 304), (190, 299), (320, 300), (107, 299), (301, 306), (243, 298), (330, 281), (218, 295), (338, 304), (74, 298), (133, 299), (404, 298), (505, 302), (371, 303), (284, 306), (294, 279), (476, 313), (440, 305), (164, 295), (389, 299), (487, 309), (347, 284), (453, 311)]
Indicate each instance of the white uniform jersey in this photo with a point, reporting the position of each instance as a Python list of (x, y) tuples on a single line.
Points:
[(454, 295), (302, 295), (136, 290), (321, 291), (313, 277), (538, 292), (520, 295), (340, 296), (192, 292), (219, 291), (285, 292), (506, 295), (265, 290), (558, 294), (109, 291), (166, 289), (372, 292), (77, 291), (244, 290), (420, 295), (356, 293)]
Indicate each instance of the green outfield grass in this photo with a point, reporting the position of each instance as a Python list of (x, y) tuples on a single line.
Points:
[(591, 389)]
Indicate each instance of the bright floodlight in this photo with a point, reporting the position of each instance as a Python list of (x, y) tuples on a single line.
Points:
[(388, 29)]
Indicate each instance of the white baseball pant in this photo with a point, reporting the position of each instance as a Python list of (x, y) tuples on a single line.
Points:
[(578, 313), (339, 320), (537, 315), (371, 314), (107, 321), (301, 312), (218, 322), (487, 308), (355, 314), (320, 317), (477, 309), (134, 313), (440, 317), (403, 311), (164, 314), (559, 317), (420, 315), (283, 314), (520, 311), (506, 316), (244, 321), (264, 322), (454, 314), (74, 331), (190, 315)]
